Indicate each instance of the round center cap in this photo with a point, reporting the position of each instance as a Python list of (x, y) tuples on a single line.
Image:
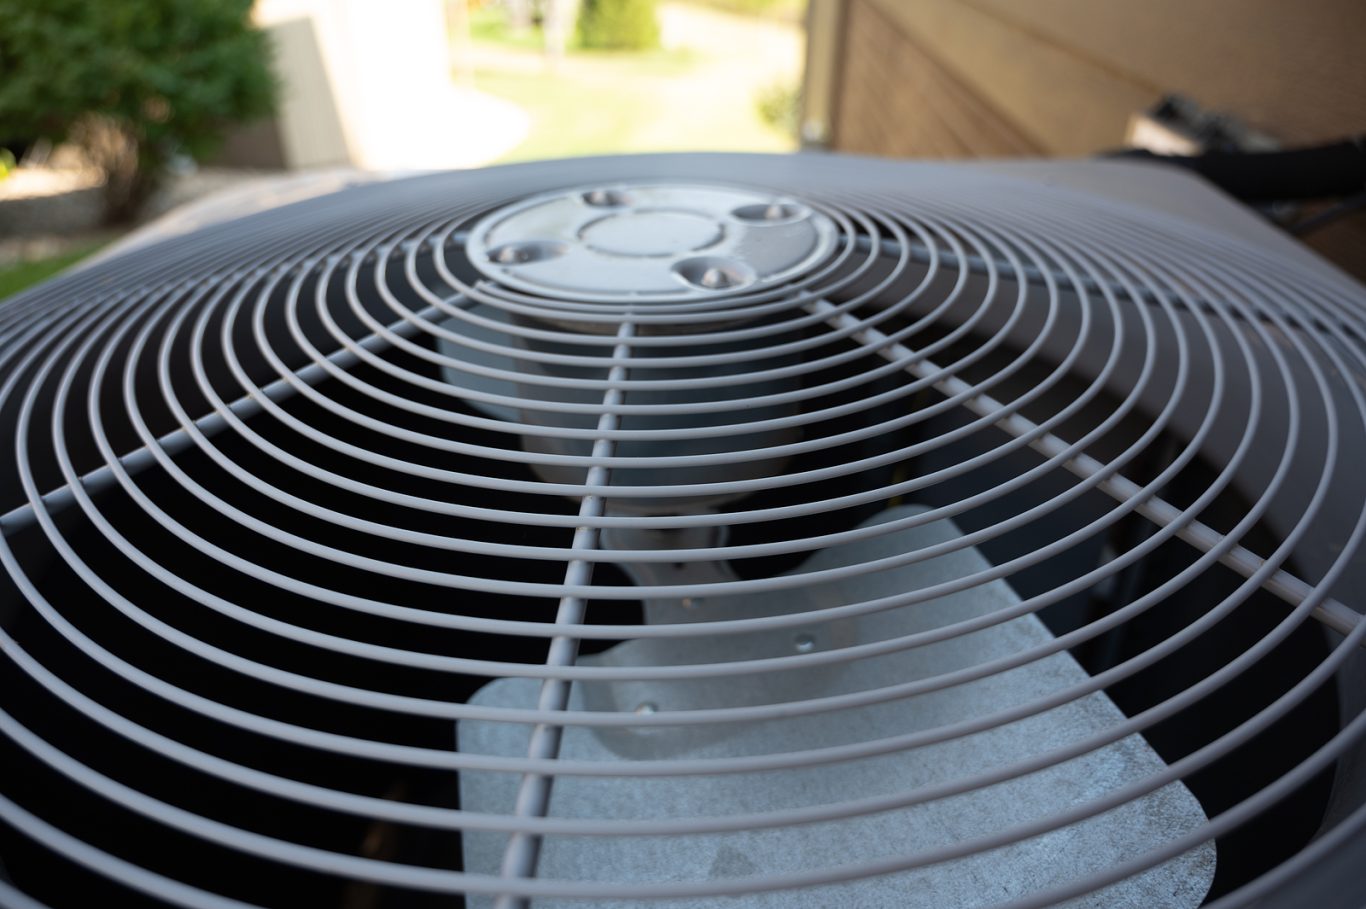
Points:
[(635, 243), (651, 233)]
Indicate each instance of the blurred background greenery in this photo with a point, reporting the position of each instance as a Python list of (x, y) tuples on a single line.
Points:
[(132, 84), (111, 113), (722, 74)]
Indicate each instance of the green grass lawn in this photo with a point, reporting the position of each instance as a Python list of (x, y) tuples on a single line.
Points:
[(563, 125), (16, 277), (488, 25), (612, 112), (605, 102), (686, 97)]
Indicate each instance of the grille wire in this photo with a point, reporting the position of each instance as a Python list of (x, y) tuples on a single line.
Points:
[(260, 335)]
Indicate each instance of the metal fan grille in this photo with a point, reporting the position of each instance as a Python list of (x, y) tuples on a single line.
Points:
[(404, 474)]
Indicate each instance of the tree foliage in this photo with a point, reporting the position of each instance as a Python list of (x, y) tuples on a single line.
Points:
[(135, 82), (780, 106), (618, 24)]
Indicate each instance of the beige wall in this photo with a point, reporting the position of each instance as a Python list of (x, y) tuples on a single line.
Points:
[(991, 78), (368, 84), (356, 76), (310, 122)]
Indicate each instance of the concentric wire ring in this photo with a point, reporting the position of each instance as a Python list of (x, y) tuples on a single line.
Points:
[(312, 486)]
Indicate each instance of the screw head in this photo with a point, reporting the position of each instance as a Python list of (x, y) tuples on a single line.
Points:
[(524, 251), (606, 198)]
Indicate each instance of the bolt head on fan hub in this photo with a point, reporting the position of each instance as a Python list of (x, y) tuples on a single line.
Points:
[(650, 243)]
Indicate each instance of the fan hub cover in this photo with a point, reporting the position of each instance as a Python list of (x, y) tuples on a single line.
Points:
[(650, 242)]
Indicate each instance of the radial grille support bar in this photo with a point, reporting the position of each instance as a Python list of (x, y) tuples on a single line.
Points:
[(246, 406), (533, 796), (1333, 613)]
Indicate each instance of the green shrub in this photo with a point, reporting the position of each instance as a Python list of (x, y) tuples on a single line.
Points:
[(780, 106), (618, 24), (134, 82)]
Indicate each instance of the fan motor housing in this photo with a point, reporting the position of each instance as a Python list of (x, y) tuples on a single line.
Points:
[(767, 530)]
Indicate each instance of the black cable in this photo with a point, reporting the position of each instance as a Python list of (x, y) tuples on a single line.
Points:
[(1325, 171), (1328, 215)]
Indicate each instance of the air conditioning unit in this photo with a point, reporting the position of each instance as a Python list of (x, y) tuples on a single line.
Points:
[(691, 530)]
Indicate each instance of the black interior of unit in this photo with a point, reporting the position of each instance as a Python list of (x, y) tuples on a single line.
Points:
[(42, 790), (1287, 827)]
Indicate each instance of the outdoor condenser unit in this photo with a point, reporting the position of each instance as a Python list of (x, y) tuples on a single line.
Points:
[(691, 530)]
